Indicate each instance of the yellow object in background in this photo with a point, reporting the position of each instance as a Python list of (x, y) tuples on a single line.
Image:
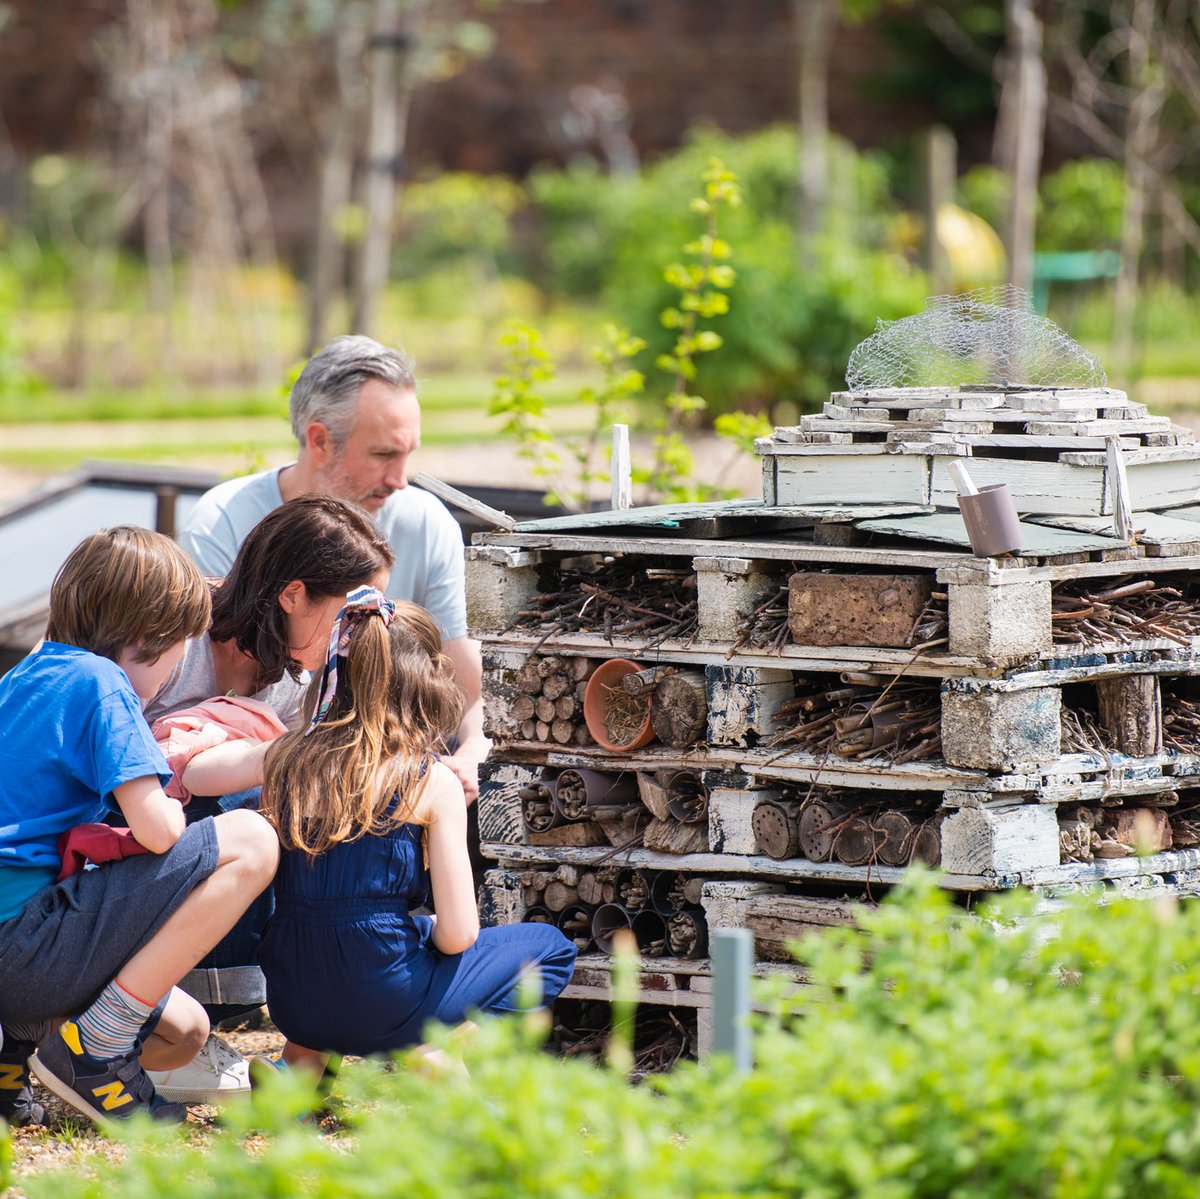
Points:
[(973, 248)]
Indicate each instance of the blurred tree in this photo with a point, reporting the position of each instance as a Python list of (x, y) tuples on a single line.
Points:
[(1133, 75)]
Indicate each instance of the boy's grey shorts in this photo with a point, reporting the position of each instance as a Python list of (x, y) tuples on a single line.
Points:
[(72, 938)]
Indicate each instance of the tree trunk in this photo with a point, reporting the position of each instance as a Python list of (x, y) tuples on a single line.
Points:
[(776, 825), (1139, 140), (391, 95), (1131, 714), (337, 180), (814, 29), (1023, 105), (679, 710)]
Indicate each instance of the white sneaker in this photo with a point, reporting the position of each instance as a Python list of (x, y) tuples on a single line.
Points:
[(218, 1072)]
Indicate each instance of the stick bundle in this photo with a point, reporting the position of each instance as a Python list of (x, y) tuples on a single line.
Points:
[(1127, 611), (902, 720), (1181, 723), (619, 598)]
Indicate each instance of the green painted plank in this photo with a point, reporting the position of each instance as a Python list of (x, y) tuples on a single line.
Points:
[(674, 516), (1154, 528), (948, 527)]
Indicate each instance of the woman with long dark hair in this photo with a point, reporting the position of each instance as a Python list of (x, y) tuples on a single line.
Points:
[(270, 626)]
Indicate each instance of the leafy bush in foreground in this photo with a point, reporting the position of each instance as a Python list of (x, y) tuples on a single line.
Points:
[(937, 1054)]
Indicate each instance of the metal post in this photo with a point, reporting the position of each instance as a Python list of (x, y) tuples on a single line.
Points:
[(165, 498), (732, 966)]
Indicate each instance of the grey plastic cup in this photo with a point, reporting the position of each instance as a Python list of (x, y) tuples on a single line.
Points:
[(991, 519)]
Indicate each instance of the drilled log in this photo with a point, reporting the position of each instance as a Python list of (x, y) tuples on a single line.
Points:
[(927, 844), (565, 707), (776, 826), (561, 731), (894, 832), (556, 686), (679, 709), (855, 843), (819, 820)]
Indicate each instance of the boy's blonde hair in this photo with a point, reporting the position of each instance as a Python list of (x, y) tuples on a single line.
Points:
[(396, 703), (128, 588)]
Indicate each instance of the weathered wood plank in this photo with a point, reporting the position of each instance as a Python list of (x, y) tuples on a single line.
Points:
[(860, 480)]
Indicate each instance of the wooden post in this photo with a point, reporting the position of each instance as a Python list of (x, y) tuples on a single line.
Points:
[(732, 964), (1118, 488), (621, 470), (941, 168)]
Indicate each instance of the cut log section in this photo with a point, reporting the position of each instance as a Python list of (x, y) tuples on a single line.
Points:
[(776, 825), (679, 709)]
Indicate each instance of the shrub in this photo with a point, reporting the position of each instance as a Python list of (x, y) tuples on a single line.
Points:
[(787, 336), (936, 1054)]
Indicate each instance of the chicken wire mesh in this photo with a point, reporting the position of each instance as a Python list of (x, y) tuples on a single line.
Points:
[(990, 336)]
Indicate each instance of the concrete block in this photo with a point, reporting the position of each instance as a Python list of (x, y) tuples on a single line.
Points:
[(1006, 620), (500, 582), (727, 592), (1000, 730)]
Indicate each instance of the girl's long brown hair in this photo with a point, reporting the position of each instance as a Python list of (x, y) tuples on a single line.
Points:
[(396, 704)]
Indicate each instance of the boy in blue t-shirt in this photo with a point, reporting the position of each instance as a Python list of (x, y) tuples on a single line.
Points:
[(105, 947)]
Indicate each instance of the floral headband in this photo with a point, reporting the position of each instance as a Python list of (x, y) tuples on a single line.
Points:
[(360, 604)]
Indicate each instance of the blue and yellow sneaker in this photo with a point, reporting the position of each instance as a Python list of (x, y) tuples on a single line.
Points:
[(102, 1089), (17, 1104)]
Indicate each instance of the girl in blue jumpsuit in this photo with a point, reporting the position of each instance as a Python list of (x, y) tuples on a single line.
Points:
[(370, 824)]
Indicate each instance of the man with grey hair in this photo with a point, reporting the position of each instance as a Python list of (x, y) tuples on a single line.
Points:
[(355, 414)]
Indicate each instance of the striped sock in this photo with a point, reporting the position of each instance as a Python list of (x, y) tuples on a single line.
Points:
[(111, 1025)]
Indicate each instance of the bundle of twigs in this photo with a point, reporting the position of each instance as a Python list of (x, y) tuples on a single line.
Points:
[(1081, 732), (902, 721), (766, 628), (1128, 611), (1181, 723), (621, 598)]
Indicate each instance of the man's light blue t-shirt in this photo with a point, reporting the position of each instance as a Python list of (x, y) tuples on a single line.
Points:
[(71, 730)]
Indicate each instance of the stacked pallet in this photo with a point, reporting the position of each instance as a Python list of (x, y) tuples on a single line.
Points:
[(1049, 444), (872, 694)]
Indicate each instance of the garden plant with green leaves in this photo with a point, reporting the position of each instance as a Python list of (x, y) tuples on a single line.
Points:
[(1017, 1051), (702, 285)]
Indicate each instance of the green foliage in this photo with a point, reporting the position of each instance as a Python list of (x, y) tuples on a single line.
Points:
[(17, 382), (1081, 206), (788, 335), (519, 400), (452, 218), (984, 190), (700, 288), (1011, 1053)]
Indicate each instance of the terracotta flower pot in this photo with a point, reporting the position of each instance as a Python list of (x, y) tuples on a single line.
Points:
[(595, 706)]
